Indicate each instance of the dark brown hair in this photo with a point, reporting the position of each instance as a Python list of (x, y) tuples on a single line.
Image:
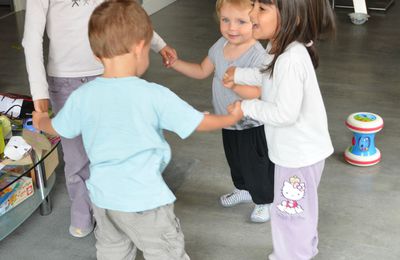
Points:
[(116, 25), (304, 21)]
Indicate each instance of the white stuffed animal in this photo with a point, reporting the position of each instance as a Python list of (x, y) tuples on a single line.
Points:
[(16, 148)]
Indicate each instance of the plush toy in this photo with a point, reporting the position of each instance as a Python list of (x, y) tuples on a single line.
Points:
[(16, 148), (15, 105)]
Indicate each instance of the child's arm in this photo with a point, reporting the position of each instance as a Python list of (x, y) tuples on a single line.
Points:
[(242, 76), (194, 70), (41, 105), (41, 121), (246, 92), (215, 122), (169, 55), (35, 24)]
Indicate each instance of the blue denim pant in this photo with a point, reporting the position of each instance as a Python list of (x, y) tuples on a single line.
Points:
[(75, 158)]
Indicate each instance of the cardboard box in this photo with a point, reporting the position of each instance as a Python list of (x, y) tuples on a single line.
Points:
[(15, 193), (41, 144), (51, 163)]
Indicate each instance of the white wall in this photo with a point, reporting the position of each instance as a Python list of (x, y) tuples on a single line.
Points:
[(151, 6)]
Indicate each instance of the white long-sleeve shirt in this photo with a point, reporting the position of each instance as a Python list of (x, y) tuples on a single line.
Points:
[(291, 107), (70, 55)]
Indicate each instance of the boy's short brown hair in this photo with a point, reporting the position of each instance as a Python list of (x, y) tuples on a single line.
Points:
[(240, 3), (116, 25)]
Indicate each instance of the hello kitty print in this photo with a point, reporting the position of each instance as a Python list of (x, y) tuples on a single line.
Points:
[(293, 191)]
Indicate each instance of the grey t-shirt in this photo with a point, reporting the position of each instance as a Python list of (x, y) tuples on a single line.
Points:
[(255, 56)]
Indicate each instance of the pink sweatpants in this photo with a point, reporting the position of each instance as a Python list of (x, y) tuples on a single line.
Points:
[(294, 213)]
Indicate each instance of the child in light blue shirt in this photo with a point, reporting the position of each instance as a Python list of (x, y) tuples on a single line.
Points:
[(70, 63), (121, 118), (123, 138)]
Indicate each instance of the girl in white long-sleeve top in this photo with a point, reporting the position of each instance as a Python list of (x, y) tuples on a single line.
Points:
[(292, 109)]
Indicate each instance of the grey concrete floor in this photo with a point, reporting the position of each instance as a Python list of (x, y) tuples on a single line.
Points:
[(359, 207)]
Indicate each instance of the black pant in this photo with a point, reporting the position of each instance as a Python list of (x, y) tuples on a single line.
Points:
[(247, 154)]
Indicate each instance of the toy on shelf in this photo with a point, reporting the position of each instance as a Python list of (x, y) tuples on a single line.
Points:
[(28, 125), (5, 123), (362, 151), (14, 194), (2, 143), (16, 105), (16, 148)]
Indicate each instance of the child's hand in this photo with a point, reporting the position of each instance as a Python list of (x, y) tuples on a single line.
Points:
[(41, 105), (37, 117), (168, 55), (228, 79), (235, 110)]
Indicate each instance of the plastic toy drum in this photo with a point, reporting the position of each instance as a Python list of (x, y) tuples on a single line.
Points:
[(362, 151)]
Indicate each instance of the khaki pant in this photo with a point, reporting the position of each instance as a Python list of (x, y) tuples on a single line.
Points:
[(157, 233)]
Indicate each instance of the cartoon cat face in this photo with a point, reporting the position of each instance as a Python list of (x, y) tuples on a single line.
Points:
[(292, 193)]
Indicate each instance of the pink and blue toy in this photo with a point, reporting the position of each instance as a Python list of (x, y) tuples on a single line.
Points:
[(362, 151)]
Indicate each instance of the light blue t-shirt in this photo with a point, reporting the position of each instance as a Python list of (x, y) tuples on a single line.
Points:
[(121, 121)]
